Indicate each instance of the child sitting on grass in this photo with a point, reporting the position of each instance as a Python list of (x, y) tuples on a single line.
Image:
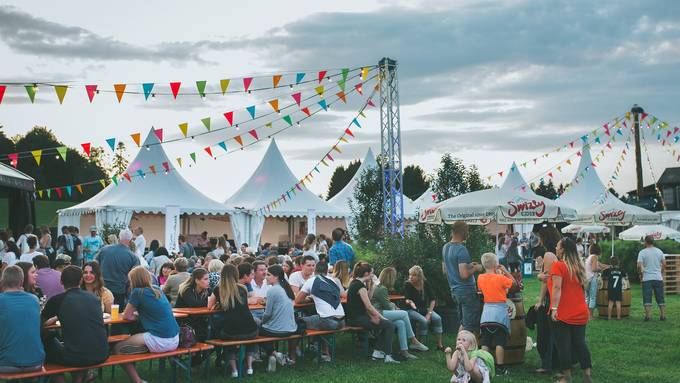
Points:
[(615, 279), (495, 323), (467, 363)]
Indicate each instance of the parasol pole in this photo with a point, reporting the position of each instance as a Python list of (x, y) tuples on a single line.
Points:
[(612, 229)]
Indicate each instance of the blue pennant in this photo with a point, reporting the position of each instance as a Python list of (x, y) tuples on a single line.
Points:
[(148, 87), (322, 104), (112, 143), (299, 77), (251, 110)]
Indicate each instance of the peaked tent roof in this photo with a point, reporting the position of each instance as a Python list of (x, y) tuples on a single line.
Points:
[(268, 183), (344, 196), (151, 193), (427, 199), (590, 189)]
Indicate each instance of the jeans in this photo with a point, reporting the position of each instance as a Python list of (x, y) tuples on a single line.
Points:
[(316, 322), (435, 322), (384, 331), (469, 311), (545, 342), (401, 321), (13, 370), (591, 294), (656, 287), (571, 345)]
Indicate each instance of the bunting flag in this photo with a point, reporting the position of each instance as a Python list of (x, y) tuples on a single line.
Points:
[(193, 156), (356, 122), (136, 138), (341, 96), (223, 145), (370, 102), (307, 112), (288, 120), (341, 84), (140, 173), (359, 88), (251, 111), (239, 140), (297, 97), (319, 90), (254, 134), (345, 73), (91, 90), (208, 150), (2, 92), (102, 182), (166, 166), (230, 118), (127, 177), (120, 90), (61, 92), (48, 193), (159, 134), (62, 150), (80, 188), (299, 77), (269, 125), (147, 88), (200, 86), (364, 73), (86, 148), (275, 80), (349, 132), (31, 89), (322, 74), (246, 83), (179, 161), (58, 190), (174, 87), (37, 154), (206, 122), (69, 190), (153, 169), (275, 105), (40, 193), (112, 143), (224, 85), (323, 105), (184, 128), (335, 147)]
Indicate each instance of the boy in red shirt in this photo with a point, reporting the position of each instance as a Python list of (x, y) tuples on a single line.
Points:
[(495, 323)]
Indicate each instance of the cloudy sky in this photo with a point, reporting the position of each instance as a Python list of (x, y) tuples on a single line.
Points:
[(488, 81)]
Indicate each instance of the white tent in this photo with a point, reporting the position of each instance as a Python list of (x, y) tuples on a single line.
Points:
[(513, 203), (149, 194), (427, 199), (344, 196), (270, 181), (658, 232)]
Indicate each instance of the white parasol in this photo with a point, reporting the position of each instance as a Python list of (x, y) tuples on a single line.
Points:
[(588, 229), (658, 232)]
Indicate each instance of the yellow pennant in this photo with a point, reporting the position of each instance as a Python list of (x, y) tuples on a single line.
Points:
[(61, 92), (40, 193), (224, 84), (569, 162), (559, 168), (343, 139), (336, 149), (269, 125), (324, 162), (627, 115), (37, 154), (364, 74), (179, 161), (184, 127), (319, 90), (103, 183)]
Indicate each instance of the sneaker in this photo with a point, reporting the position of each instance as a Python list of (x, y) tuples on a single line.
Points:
[(389, 359), (502, 371), (418, 347), (280, 358), (249, 372), (408, 355), (289, 362), (377, 354), (234, 374), (132, 349), (325, 358), (271, 365)]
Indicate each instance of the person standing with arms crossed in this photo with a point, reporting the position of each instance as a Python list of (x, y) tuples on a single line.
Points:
[(460, 272), (651, 264)]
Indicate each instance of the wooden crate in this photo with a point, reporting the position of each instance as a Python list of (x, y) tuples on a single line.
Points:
[(671, 275)]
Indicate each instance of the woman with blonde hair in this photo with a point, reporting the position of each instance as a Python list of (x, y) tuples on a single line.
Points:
[(214, 269), (93, 281), (341, 272), (421, 301), (235, 322), (568, 310), (148, 304), (381, 302)]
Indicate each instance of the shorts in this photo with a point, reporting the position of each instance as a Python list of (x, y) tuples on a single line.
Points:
[(492, 336), (469, 310), (157, 344), (653, 287), (615, 295)]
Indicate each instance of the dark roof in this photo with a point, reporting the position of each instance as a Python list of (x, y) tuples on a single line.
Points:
[(670, 176)]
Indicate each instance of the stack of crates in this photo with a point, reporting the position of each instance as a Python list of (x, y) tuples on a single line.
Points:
[(671, 275)]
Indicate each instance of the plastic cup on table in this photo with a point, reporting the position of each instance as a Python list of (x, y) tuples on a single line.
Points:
[(114, 312)]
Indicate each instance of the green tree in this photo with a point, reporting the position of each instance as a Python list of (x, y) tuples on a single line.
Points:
[(473, 180), (367, 206), (450, 179), (546, 190), (415, 182), (341, 177), (120, 160), (6, 147)]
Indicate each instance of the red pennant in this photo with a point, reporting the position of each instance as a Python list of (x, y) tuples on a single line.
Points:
[(298, 187), (153, 169), (571, 144), (593, 164), (500, 174), (644, 115), (307, 112), (578, 153), (296, 97), (550, 174), (166, 166), (91, 90), (676, 129), (370, 102), (14, 159), (349, 132), (322, 74), (58, 190), (230, 118), (2, 92), (239, 140), (208, 150), (609, 145), (668, 133), (174, 86), (127, 177), (86, 148), (329, 157), (246, 83), (159, 134), (359, 88), (254, 134)]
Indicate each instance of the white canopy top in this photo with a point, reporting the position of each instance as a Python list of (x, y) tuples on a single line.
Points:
[(427, 199), (513, 203), (342, 200), (613, 212), (271, 179), (658, 232), (589, 190), (151, 193)]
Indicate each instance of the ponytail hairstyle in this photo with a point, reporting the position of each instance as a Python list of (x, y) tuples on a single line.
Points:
[(573, 261), (190, 282), (277, 271), (229, 287)]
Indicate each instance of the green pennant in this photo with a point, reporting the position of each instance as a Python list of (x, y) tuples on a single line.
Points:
[(62, 150), (345, 72), (48, 193), (288, 120), (30, 89), (193, 156), (115, 180), (206, 122), (200, 85)]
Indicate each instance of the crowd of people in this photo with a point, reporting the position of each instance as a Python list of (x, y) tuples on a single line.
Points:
[(78, 281)]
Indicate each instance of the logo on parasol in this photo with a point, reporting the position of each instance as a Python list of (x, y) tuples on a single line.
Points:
[(526, 208), (612, 215)]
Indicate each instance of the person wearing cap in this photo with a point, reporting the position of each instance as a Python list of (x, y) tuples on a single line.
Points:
[(92, 244), (651, 264), (116, 262)]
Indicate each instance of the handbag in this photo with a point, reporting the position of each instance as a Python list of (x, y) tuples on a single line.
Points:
[(187, 336)]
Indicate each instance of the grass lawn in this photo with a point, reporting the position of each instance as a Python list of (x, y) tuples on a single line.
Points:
[(626, 351)]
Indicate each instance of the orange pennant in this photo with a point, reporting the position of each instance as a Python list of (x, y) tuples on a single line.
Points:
[(276, 79), (239, 140), (80, 188), (135, 138), (120, 89), (341, 95), (275, 104)]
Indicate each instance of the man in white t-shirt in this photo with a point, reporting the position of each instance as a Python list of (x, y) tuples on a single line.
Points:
[(259, 284), (298, 278), (140, 242), (21, 242), (651, 264), (32, 242)]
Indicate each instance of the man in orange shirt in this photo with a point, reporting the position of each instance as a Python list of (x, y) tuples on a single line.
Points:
[(495, 322)]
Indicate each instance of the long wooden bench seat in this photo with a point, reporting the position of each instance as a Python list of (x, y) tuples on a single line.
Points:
[(118, 338), (113, 360)]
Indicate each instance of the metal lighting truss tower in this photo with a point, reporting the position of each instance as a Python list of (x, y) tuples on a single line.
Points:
[(390, 148)]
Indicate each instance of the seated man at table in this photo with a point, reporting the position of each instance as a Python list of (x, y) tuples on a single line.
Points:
[(298, 278), (84, 335), (245, 277), (20, 346), (259, 283)]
